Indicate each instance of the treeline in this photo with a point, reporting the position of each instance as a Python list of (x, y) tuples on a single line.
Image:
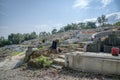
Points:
[(75, 26), (101, 21), (17, 38)]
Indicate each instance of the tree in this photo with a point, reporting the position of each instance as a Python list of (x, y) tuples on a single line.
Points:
[(54, 31), (91, 25), (33, 35), (74, 26), (61, 30), (102, 20), (99, 20), (81, 25), (26, 36), (16, 38), (43, 34), (117, 23), (4, 42)]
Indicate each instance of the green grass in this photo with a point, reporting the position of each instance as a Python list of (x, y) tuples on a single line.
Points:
[(16, 53), (44, 61), (74, 45), (41, 47)]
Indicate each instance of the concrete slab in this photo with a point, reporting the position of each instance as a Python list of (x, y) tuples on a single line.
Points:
[(59, 61), (61, 56), (93, 62)]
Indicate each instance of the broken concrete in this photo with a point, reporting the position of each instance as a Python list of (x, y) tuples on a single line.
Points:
[(59, 61), (28, 54)]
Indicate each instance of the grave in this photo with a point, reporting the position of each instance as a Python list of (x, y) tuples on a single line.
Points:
[(93, 62), (28, 53)]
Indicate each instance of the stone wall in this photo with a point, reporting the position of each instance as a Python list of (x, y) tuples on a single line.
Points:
[(107, 49), (104, 34), (92, 62), (94, 47)]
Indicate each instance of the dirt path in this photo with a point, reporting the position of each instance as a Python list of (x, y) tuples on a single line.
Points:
[(12, 62), (8, 73)]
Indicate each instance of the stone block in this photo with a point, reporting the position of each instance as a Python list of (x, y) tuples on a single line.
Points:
[(92, 62), (109, 66)]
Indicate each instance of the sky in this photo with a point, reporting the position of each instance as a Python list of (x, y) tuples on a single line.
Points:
[(25, 16)]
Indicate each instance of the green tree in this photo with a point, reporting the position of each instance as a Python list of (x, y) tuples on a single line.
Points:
[(54, 31), (43, 34), (117, 23), (99, 20), (26, 36), (81, 25), (91, 25), (74, 26), (102, 20), (4, 42), (16, 38), (61, 30), (33, 35)]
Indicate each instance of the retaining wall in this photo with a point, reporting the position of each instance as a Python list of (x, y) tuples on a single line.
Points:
[(93, 62)]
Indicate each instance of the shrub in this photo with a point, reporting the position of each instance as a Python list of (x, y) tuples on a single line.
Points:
[(44, 61)]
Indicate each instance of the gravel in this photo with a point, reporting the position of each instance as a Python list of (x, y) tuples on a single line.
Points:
[(24, 73)]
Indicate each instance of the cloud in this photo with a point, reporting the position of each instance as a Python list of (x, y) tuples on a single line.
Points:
[(112, 18), (91, 20), (47, 27), (81, 4), (105, 2), (115, 13)]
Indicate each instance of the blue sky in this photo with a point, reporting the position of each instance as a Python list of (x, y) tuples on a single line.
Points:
[(25, 16)]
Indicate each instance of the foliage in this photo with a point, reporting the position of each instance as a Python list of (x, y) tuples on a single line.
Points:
[(26, 36), (16, 53), (44, 61), (82, 25), (54, 31), (43, 34), (4, 42), (16, 38), (72, 26), (117, 23), (108, 25), (61, 30), (91, 24), (102, 20), (76, 26), (33, 35)]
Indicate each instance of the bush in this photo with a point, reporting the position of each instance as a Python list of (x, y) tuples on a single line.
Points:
[(44, 61)]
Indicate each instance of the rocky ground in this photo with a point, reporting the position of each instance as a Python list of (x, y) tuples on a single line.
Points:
[(9, 72), (50, 74)]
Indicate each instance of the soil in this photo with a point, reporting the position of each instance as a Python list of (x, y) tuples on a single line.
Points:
[(9, 72), (24, 73)]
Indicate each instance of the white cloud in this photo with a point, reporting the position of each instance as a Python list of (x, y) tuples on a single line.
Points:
[(105, 2), (91, 20), (115, 13), (47, 27), (112, 18), (81, 4)]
